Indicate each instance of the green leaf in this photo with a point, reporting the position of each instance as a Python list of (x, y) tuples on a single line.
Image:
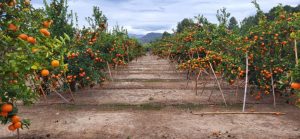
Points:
[(57, 40), (19, 48), (62, 39), (34, 67), (67, 37), (56, 46), (293, 35), (13, 62)]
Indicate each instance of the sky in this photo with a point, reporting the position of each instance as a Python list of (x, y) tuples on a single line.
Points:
[(145, 16)]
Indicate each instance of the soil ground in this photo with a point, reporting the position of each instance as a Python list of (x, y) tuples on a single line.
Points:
[(149, 99)]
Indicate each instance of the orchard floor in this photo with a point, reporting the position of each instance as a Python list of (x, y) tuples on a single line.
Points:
[(148, 99)]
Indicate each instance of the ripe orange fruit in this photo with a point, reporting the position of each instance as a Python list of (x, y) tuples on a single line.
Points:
[(15, 119), (23, 37), (282, 16), (55, 63), (12, 27), (45, 32), (11, 127), (17, 125), (7, 108), (255, 37), (45, 72), (295, 86), (4, 114), (31, 40), (47, 24), (284, 43)]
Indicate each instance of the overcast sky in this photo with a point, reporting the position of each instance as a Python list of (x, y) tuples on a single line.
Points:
[(144, 16)]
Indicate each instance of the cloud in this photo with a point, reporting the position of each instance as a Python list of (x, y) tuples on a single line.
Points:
[(145, 10), (144, 16)]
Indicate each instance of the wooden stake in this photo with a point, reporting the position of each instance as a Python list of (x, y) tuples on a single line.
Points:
[(43, 92), (53, 90), (71, 93), (188, 78), (117, 69), (109, 71), (69, 88), (214, 113), (246, 83), (211, 91), (211, 67), (61, 96), (128, 54), (196, 85), (205, 82), (18, 133), (169, 50), (203, 89), (236, 90), (273, 88)]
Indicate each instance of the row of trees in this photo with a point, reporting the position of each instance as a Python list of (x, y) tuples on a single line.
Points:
[(246, 23), (268, 44), (43, 52)]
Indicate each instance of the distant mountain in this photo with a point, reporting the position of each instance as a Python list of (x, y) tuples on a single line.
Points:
[(150, 37), (138, 36), (146, 38)]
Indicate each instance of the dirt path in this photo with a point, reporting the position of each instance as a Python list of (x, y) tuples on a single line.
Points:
[(149, 99)]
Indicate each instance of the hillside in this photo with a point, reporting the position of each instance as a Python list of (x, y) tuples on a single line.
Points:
[(150, 37)]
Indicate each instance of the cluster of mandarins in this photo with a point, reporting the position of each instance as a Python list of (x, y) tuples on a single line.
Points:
[(44, 31), (6, 109), (30, 39), (45, 72)]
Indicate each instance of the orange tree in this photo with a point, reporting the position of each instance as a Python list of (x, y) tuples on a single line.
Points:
[(27, 49), (36, 60), (95, 48), (269, 44), (271, 51)]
